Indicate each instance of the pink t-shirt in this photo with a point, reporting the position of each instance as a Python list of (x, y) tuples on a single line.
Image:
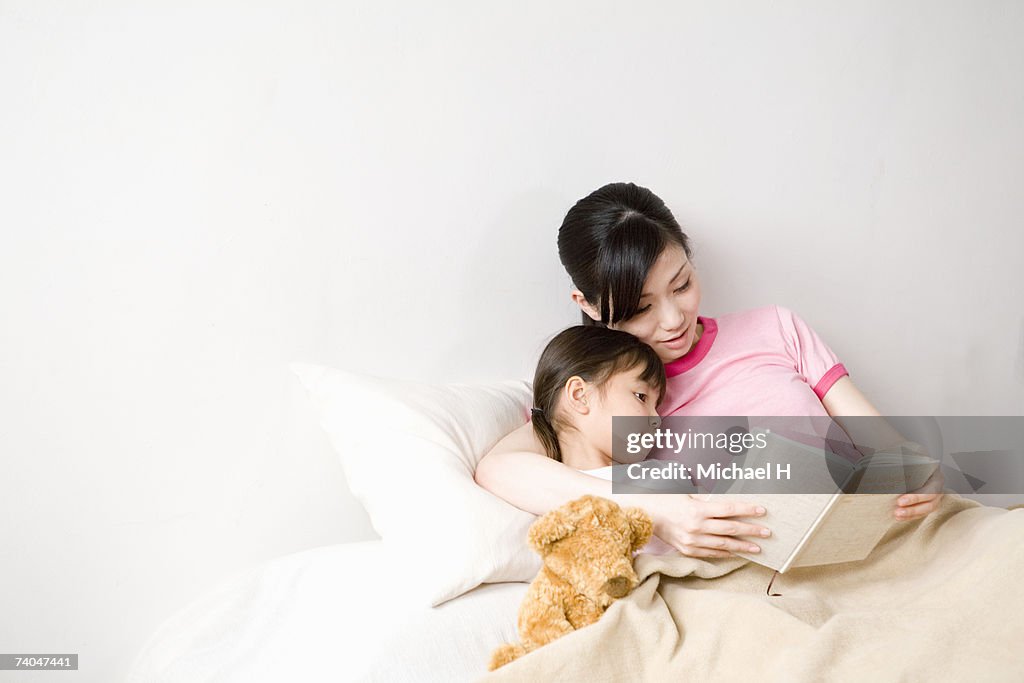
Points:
[(764, 361)]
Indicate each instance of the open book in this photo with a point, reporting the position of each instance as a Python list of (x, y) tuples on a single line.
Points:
[(816, 527)]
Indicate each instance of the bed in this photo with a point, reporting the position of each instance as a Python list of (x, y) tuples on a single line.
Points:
[(430, 602), (334, 613), (937, 598)]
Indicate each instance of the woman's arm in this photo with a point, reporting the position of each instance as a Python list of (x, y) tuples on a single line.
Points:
[(844, 399), (516, 471)]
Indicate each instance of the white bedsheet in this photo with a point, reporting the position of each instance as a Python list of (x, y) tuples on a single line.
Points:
[(328, 614)]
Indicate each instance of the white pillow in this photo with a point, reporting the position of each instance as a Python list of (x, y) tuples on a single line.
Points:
[(409, 451)]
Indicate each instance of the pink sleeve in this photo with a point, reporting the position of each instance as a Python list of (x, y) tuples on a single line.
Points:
[(813, 359)]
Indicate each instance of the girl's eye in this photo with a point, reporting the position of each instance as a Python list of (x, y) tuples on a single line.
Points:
[(683, 288), (642, 397), (642, 310)]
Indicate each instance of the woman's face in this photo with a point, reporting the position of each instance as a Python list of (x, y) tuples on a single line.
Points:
[(667, 318)]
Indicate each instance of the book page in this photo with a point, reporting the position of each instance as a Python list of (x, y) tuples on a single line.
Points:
[(789, 516), (850, 531), (811, 470), (886, 473)]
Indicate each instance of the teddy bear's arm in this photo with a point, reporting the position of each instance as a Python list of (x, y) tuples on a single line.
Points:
[(541, 622), (582, 612)]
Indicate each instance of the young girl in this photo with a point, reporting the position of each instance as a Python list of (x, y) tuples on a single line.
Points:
[(585, 376)]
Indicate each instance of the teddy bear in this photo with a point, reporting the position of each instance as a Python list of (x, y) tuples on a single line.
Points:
[(587, 548)]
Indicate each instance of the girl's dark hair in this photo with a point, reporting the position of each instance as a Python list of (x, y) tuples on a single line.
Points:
[(594, 354), (608, 242)]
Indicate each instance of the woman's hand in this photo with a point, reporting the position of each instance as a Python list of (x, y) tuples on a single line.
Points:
[(845, 399), (701, 528), (923, 501)]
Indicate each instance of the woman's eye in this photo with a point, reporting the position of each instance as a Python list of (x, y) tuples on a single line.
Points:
[(642, 397), (684, 287), (640, 311)]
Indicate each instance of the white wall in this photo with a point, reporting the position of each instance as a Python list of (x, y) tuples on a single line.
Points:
[(194, 196)]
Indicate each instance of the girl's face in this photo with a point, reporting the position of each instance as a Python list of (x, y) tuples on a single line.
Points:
[(667, 318), (625, 394)]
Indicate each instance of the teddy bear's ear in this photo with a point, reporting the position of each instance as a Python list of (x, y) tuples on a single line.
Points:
[(552, 527), (640, 525)]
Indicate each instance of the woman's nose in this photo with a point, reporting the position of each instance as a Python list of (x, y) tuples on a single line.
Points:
[(672, 318)]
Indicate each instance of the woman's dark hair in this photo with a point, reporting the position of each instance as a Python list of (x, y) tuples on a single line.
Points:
[(608, 242), (594, 354)]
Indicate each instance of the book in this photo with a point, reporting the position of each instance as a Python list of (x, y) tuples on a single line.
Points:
[(819, 528)]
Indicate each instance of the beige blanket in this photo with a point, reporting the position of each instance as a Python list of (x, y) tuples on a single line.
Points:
[(939, 599)]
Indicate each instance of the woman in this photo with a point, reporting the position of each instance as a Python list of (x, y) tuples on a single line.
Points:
[(630, 265)]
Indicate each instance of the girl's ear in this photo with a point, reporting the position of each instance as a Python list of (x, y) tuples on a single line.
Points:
[(575, 396), (640, 525), (585, 306)]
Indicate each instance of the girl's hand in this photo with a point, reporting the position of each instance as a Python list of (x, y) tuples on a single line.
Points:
[(703, 528), (923, 501)]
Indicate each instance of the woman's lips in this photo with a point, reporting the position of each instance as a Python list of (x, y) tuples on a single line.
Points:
[(678, 342)]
